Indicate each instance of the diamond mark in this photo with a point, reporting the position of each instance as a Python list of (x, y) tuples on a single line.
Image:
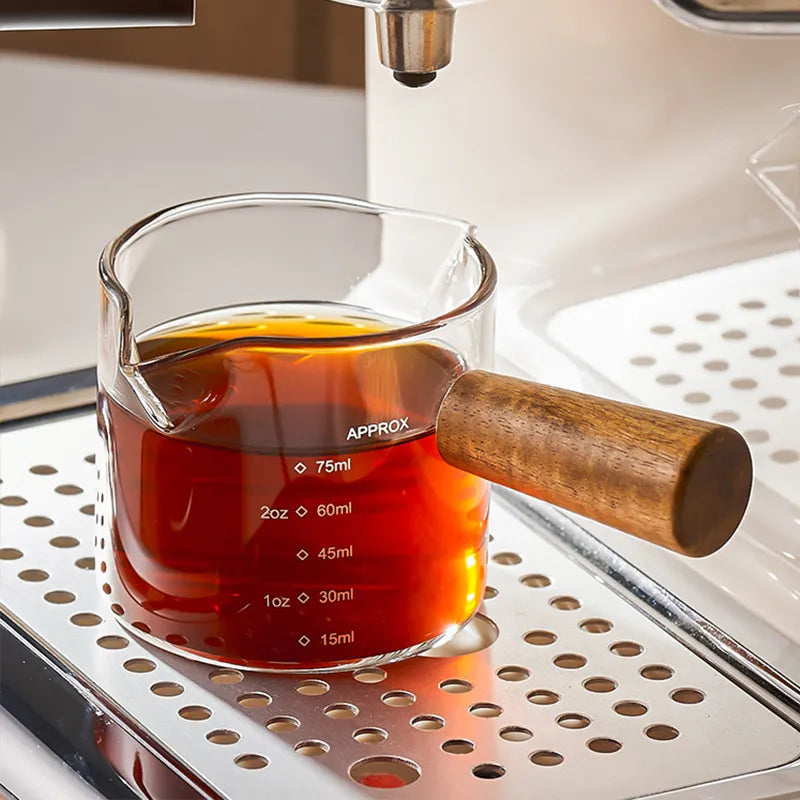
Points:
[(301, 511), (302, 555), (303, 640), (303, 597), (300, 467)]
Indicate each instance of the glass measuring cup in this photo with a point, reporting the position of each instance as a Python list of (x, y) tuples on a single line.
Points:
[(271, 367)]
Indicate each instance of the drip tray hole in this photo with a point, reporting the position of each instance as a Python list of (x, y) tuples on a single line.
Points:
[(384, 772), (478, 634), (488, 771)]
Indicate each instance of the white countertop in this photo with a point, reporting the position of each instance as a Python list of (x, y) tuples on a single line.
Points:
[(88, 148)]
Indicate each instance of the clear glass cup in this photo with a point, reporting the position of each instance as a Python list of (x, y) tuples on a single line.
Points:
[(270, 371)]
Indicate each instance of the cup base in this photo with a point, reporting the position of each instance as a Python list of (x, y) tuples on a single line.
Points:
[(310, 668)]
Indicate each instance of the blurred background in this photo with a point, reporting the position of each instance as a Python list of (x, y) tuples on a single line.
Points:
[(102, 127), (293, 40)]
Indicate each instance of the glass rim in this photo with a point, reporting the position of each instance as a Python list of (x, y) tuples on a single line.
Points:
[(118, 245)]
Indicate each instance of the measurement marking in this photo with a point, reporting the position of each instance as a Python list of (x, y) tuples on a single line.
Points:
[(330, 553), (334, 509), (276, 602), (300, 467), (302, 555), (378, 428), (301, 511), (330, 465), (303, 640), (336, 595), (338, 638), (274, 513), (303, 597)]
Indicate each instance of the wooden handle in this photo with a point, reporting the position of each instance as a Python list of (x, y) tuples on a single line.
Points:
[(674, 481)]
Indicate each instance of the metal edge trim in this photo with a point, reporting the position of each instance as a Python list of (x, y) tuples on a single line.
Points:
[(101, 702), (27, 402), (6, 794), (694, 15)]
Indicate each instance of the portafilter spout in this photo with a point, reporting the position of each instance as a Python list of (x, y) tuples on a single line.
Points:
[(415, 37)]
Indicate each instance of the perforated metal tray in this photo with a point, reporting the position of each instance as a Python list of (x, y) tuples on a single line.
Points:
[(724, 344), (714, 333), (599, 684)]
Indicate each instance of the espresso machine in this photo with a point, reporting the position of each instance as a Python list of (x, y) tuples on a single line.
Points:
[(638, 260)]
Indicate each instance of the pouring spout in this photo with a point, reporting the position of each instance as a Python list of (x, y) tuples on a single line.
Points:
[(150, 403)]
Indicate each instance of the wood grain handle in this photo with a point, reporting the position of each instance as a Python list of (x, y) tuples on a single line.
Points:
[(674, 481)]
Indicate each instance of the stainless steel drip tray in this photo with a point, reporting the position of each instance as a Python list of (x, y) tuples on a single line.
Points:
[(581, 695)]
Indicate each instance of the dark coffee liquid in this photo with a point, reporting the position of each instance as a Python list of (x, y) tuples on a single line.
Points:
[(299, 514)]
